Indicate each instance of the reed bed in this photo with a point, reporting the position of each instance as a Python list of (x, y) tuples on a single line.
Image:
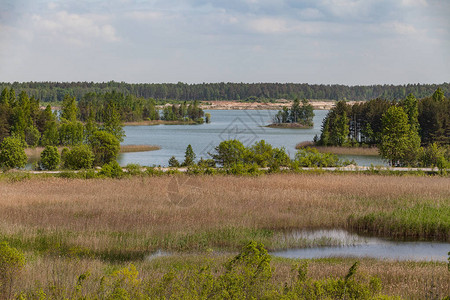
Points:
[(362, 151), (70, 227), (138, 148), (133, 216)]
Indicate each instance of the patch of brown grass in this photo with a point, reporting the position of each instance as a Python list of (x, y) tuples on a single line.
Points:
[(363, 151), (35, 153), (138, 148), (152, 207)]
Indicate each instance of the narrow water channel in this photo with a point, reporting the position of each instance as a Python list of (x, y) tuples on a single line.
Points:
[(353, 245)]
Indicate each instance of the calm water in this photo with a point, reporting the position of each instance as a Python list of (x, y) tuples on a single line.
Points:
[(353, 245), (244, 125)]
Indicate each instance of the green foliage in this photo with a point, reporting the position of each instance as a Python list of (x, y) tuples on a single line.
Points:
[(229, 153), (411, 108), (207, 118), (301, 114), (173, 162), (50, 158), (12, 153), (50, 136), (11, 262), (310, 157), (69, 109), (55, 91), (105, 147), (189, 157), (70, 133), (434, 156), (112, 121), (419, 221), (79, 157), (399, 142), (32, 136), (112, 170)]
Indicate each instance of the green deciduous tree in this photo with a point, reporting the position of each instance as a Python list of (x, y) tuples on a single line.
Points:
[(71, 133), (50, 158), (69, 108), (229, 152), (105, 147), (112, 122), (399, 143), (12, 153)]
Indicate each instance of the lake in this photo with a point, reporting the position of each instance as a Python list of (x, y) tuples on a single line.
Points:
[(248, 126)]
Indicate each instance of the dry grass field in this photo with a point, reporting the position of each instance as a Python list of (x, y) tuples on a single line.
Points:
[(105, 221)]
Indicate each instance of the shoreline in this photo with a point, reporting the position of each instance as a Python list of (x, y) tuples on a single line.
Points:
[(289, 126), (278, 105)]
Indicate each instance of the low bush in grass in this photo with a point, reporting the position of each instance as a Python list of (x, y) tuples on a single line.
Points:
[(79, 157)]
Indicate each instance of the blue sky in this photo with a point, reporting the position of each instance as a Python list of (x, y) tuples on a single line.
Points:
[(323, 41)]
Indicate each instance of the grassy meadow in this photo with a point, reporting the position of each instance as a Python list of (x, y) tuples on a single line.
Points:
[(67, 227)]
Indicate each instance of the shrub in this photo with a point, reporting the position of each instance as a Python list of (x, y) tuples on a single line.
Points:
[(134, 169), (11, 262), (112, 170), (12, 153), (50, 158), (79, 157), (173, 162), (105, 147), (310, 157), (433, 156)]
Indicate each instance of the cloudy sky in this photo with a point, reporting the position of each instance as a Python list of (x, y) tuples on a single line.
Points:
[(306, 41)]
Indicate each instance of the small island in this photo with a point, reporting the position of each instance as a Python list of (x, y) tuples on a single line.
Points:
[(298, 116)]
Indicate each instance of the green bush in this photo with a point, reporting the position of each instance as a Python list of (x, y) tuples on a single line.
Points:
[(50, 158), (112, 170), (12, 153), (11, 262), (310, 157), (79, 157)]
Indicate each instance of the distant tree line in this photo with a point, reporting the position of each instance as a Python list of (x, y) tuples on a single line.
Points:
[(398, 128), (56, 91)]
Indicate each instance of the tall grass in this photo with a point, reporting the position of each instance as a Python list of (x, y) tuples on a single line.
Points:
[(423, 221), (193, 213)]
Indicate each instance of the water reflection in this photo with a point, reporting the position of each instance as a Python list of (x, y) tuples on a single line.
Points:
[(353, 245)]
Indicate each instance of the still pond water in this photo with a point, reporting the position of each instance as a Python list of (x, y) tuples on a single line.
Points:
[(348, 244), (248, 126)]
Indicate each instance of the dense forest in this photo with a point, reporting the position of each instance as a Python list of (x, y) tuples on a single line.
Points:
[(55, 91), (398, 128)]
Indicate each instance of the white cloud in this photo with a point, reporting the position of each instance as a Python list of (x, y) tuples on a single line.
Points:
[(269, 25), (145, 15), (414, 2), (403, 28), (75, 28)]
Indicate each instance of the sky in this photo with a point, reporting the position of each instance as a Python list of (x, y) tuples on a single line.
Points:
[(352, 42)]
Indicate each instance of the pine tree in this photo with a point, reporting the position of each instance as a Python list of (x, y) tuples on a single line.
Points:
[(189, 156)]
